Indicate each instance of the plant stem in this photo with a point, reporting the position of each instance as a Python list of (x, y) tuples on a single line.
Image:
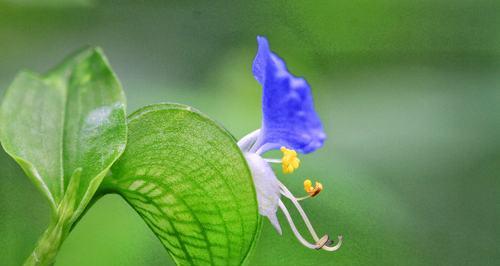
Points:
[(49, 243)]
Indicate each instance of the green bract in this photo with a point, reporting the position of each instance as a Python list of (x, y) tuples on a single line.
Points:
[(187, 178)]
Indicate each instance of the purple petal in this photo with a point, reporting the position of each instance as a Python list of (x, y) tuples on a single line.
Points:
[(289, 118)]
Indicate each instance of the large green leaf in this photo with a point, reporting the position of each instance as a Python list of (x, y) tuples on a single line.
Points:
[(70, 120), (188, 180)]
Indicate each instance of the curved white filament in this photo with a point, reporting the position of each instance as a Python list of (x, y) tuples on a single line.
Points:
[(247, 142), (294, 229), (309, 226)]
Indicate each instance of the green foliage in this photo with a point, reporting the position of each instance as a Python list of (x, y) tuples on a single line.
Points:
[(73, 118), (65, 129), (188, 180), (182, 172)]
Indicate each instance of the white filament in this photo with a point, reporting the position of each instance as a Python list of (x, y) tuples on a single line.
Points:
[(289, 195), (294, 229), (272, 160), (309, 226), (247, 142)]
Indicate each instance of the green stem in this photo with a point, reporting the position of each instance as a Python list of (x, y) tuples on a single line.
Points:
[(49, 244)]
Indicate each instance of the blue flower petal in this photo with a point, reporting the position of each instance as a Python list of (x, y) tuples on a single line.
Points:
[(289, 118)]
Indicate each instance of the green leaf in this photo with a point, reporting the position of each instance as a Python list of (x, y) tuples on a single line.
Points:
[(188, 180), (72, 119)]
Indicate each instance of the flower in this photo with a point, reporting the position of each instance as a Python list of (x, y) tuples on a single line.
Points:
[(289, 123)]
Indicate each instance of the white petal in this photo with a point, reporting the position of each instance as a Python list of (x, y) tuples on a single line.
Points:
[(274, 221), (267, 187)]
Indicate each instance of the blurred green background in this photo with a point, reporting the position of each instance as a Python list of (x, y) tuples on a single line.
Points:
[(409, 93)]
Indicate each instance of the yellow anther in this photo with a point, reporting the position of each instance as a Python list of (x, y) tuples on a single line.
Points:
[(290, 161), (312, 191)]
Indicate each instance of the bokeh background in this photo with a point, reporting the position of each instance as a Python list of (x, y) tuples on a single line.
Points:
[(409, 92)]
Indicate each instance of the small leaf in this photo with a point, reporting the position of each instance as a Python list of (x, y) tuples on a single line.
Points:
[(72, 118), (188, 180)]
